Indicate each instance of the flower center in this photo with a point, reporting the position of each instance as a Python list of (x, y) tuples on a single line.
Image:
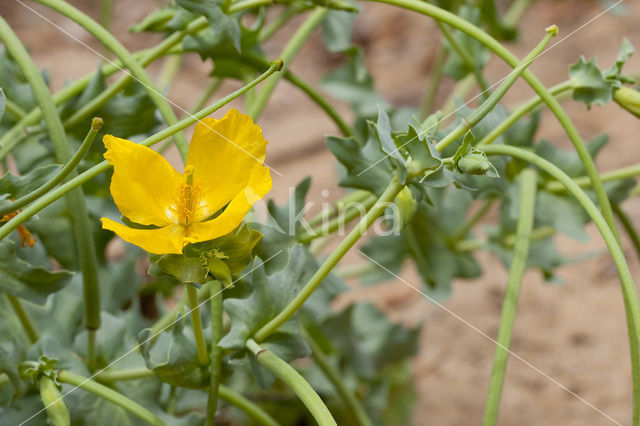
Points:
[(186, 199)]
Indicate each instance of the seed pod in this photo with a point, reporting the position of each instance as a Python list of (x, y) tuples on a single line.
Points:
[(53, 402), (628, 99)]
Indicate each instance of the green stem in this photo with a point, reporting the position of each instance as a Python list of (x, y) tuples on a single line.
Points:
[(113, 375), (378, 208), (628, 226), (509, 240), (217, 331), (138, 72), (495, 97), (94, 171), (626, 281), (470, 223), (169, 71), (514, 13), (82, 227), (526, 108), (434, 82), (357, 270), (466, 58), (246, 5), (109, 395), (13, 109), (196, 322), (295, 381), (504, 53), (25, 319), (339, 222), (460, 91), (291, 49), (516, 272), (584, 182), (280, 20), (106, 11), (352, 197), (57, 410), (96, 125), (348, 397), (249, 407)]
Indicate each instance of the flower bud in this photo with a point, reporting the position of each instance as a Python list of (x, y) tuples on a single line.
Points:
[(628, 99), (475, 163), (407, 206), (53, 402)]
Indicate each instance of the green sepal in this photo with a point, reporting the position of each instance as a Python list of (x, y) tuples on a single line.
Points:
[(185, 269)]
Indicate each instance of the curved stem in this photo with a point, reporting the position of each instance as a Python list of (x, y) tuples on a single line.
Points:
[(96, 125), (295, 381), (251, 409), (138, 72), (378, 208), (495, 97), (215, 369), (626, 281), (348, 397), (466, 226), (94, 171), (196, 322), (277, 23), (13, 109), (338, 222), (516, 272), (504, 53), (82, 227), (24, 318), (113, 375), (522, 110), (110, 395), (584, 182), (291, 49)]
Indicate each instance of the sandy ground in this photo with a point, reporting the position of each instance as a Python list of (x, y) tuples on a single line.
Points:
[(571, 340)]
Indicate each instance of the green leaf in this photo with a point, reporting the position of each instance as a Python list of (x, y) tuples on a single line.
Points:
[(569, 161), (12, 186), (367, 166), (337, 30), (184, 268), (173, 357), (220, 23), (589, 85), (494, 22), (3, 103), (455, 66), (26, 281), (563, 214), (12, 354)]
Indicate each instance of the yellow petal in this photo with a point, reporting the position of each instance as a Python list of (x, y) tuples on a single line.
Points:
[(166, 240), (224, 153), (259, 184), (143, 181)]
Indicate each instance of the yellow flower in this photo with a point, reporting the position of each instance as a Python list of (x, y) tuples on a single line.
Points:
[(224, 174)]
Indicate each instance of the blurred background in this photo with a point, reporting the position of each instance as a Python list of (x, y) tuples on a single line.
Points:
[(574, 332)]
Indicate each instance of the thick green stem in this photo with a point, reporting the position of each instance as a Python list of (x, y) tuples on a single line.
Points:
[(495, 97), (378, 208), (112, 375), (628, 226), (516, 272), (434, 82), (504, 53), (94, 171), (526, 108), (295, 381), (291, 49), (138, 72), (96, 125), (348, 397), (339, 222), (82, 226), (217, 331), (109, 395), (630, 297), (466, 58), (24, 318), (196, 322), (249, 407), (57, 410)]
